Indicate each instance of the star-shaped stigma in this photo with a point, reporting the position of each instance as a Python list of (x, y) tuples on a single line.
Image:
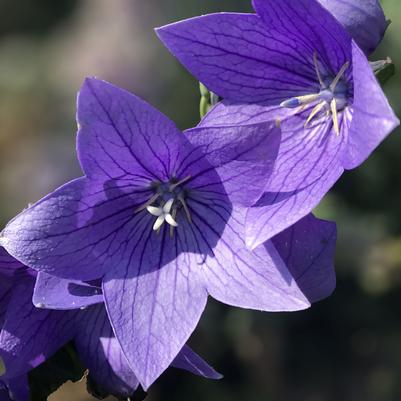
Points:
[(169, 197), (163, 214)]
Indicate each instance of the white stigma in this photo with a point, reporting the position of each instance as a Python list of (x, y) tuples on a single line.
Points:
[(168, 199), (2, 367), (163, 214)]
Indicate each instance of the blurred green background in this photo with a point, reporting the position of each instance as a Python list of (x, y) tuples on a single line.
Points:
[(345, 348)]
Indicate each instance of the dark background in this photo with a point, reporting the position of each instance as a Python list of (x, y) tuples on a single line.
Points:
[(345, 348)]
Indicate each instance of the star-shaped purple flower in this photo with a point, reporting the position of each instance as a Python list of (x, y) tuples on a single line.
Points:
[(160, 220), (30, 335), (293, 63)]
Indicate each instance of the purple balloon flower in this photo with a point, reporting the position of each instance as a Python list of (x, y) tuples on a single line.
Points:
[(293, 63), (160, 221), (363, 19), (30, 335)]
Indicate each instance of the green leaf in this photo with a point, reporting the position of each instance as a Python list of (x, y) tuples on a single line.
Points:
[(57, 370)]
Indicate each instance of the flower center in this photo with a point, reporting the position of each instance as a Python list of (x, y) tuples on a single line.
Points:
[(332, 97), (169, 198)]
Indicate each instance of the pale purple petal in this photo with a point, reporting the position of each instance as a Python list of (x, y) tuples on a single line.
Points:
[(56, 293), (102, 354), (237, 57), (363, 19), (81, 230), (122, 137), (309, 27), (373, 119), (242, 156), (77, 231), (308, 249), (124, 140), (192, 362), (30, 335), (154, 301), (255, 280), (307, 165), (264, 59)]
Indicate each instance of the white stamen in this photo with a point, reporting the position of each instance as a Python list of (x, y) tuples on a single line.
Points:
[(316, 63), (339, 76), (174, 214), (148, 203), (186, 210), (314, 112), (333, 106), (327, 97), (183, 181)]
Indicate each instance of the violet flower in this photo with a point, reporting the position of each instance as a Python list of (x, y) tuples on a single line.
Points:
[(30, 335), (160, 221), (363, 19), (293, 63)]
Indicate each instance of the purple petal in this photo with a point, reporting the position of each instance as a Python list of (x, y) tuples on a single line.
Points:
[(19, 388), (102, 354), (243, 157), (307, 249), (308, 164), (77, 231), (55, 293), (154, 300), (30, 335), (373, 119), (6, 287), (363, 19), (255, 280), (192, 362), (80, 231), (236, 56), (123, 137), (266, 59), (8, 264), (310, 28), (4, 395)]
